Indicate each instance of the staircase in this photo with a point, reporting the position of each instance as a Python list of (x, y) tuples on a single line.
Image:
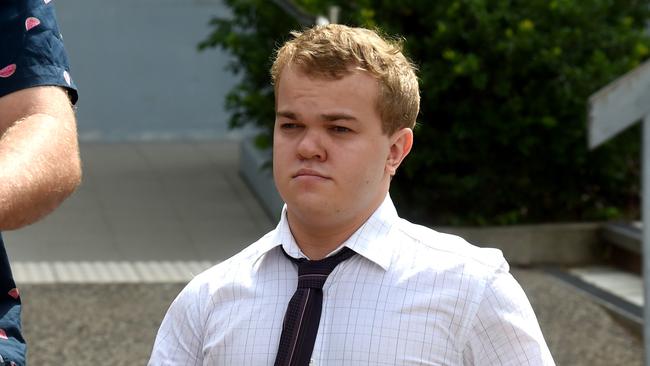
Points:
[(617, 282)]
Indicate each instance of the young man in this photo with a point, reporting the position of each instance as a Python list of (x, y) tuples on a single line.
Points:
[(376, 290), (39, 154)]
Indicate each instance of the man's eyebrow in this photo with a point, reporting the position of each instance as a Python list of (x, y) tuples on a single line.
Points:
[(330, 117), (286, 114)]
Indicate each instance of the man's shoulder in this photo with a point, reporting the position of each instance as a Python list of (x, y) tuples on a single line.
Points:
[(433, 245)]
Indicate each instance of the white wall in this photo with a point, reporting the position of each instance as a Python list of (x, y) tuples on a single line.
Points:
[(139, 73)]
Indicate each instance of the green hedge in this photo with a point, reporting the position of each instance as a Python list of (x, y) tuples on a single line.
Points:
[(501, 138)]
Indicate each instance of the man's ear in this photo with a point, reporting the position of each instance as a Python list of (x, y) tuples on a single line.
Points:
[(401, 143)]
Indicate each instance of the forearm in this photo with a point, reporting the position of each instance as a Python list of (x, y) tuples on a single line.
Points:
[(39, 167)]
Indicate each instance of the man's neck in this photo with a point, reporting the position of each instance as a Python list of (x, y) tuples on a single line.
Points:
[(318, 246), (316, 241)]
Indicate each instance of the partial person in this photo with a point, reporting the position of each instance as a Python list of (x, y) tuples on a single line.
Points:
[(343, 280), (39, 154)]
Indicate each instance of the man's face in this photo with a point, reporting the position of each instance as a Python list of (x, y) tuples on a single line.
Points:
[(331, 160)]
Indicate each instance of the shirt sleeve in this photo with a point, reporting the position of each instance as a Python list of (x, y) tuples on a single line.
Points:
[(31, 48), (505, 330), (179, 341)]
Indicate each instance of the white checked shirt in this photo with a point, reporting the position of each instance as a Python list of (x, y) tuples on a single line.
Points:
[(412, 296)]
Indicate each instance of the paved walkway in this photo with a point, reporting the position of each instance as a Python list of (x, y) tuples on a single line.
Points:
[(143, 208)]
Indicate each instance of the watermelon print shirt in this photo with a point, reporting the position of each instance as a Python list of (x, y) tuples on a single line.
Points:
[(31, 54)]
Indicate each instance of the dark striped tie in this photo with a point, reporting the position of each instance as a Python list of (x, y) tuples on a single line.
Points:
[(303, 313)]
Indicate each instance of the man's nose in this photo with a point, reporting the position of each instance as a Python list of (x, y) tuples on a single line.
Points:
[(311, 146)]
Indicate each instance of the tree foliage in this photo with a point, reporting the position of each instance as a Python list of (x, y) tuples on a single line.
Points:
[(501, 137)]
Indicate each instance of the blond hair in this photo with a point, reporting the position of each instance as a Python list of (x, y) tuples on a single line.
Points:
[(333, 51)]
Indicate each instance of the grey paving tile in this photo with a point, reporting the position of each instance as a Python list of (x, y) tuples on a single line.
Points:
[(248, 200), (63, 236), (223, 153), (221, 244)]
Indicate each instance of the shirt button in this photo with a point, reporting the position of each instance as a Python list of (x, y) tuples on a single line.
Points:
[(312, 362)]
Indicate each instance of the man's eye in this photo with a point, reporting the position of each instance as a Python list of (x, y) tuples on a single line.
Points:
[(340, 129), (288, 126)]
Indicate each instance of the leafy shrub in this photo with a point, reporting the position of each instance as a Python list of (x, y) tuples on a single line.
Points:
[(501, 137)]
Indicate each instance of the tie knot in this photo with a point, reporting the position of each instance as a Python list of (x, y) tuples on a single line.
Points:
[(311, 280), (313, 274)]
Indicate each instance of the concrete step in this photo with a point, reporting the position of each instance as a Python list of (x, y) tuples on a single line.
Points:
[(625, 285), (620, 292)]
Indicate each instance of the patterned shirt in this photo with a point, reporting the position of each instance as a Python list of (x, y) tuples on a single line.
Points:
[(31, 54), (31, 47), (412, 296)]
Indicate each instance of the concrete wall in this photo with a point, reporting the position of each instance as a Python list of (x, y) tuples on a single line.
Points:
[(524, 245), (139, 73)]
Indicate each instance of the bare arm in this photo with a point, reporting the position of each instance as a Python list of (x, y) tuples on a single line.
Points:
[(39, 154)]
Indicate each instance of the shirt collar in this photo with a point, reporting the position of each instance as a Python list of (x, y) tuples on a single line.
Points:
[(369, 241)]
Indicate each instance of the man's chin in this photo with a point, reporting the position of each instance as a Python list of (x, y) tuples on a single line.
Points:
[(315, 207)]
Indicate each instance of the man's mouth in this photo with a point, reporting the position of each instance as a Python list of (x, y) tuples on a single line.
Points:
[(309, 173)]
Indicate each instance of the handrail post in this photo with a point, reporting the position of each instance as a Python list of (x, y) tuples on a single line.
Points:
[(645, 213)]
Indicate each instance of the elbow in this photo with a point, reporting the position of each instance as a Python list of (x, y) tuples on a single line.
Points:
[(72, 176), (76, 174), (30, 204), (58, 181)]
